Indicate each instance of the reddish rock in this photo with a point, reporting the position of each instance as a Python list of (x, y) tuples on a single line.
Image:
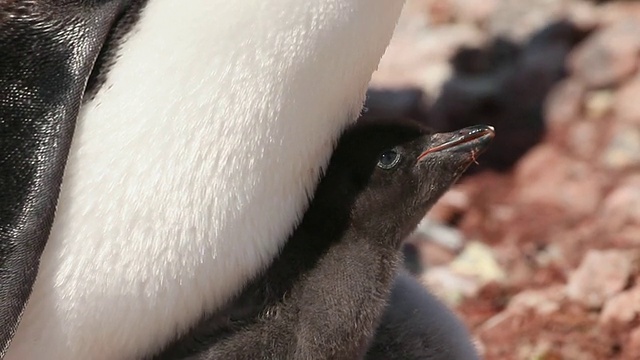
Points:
[(543, 302), (453, 203), (434, 254), (538, 160), (632, 348), (600, 276), (584, 139), (571, 242), (438, 11), (621, 208), (608, 57), (584, 14), (564, 104), (628, 237), (622, 152), (575, 118), (474, 11), (622, 308), (549, 177), (617, 11), (627, 105), (490, 300)]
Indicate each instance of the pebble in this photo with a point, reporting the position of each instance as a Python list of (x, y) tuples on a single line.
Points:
[(477, 260), (454, 202), (623, 150), (599, 103), (600, 276), (443, 235), (621, 207), (583, 140), (543, 302), (609, 57), (547, 176), (450, 286), (632, 348), (474, 11), (622, 308), (564, 104), (617, 11), (627, 101)]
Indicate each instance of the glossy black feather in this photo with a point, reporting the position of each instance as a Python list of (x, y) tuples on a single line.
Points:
[(47, 52)]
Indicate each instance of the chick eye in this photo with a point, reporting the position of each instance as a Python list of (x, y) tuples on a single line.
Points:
[(388, 159)]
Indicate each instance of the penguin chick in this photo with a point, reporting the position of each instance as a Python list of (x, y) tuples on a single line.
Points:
[(324, 295)]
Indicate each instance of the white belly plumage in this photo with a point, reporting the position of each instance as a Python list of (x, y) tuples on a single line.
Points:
[(189, 167)]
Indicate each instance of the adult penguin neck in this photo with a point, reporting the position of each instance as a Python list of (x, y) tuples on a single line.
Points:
[(192, 163)]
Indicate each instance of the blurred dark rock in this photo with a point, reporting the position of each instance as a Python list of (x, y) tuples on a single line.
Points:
[(499, 53), (505, 85), (403, 103)]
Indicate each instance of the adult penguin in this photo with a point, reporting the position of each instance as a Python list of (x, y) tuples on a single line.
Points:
[(175, 141)]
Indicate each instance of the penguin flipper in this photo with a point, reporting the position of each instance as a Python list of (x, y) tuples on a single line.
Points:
[(47, 55)]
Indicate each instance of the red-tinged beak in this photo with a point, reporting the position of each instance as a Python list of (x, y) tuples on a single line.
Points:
[(473, 139)]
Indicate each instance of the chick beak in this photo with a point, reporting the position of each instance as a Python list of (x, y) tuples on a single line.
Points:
[(473, 140)]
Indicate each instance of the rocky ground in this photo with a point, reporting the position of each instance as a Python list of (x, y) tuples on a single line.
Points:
[(538, 250)]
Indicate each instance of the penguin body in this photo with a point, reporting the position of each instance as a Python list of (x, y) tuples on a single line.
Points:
[(205, 127), (325, 294), (418, 326)]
